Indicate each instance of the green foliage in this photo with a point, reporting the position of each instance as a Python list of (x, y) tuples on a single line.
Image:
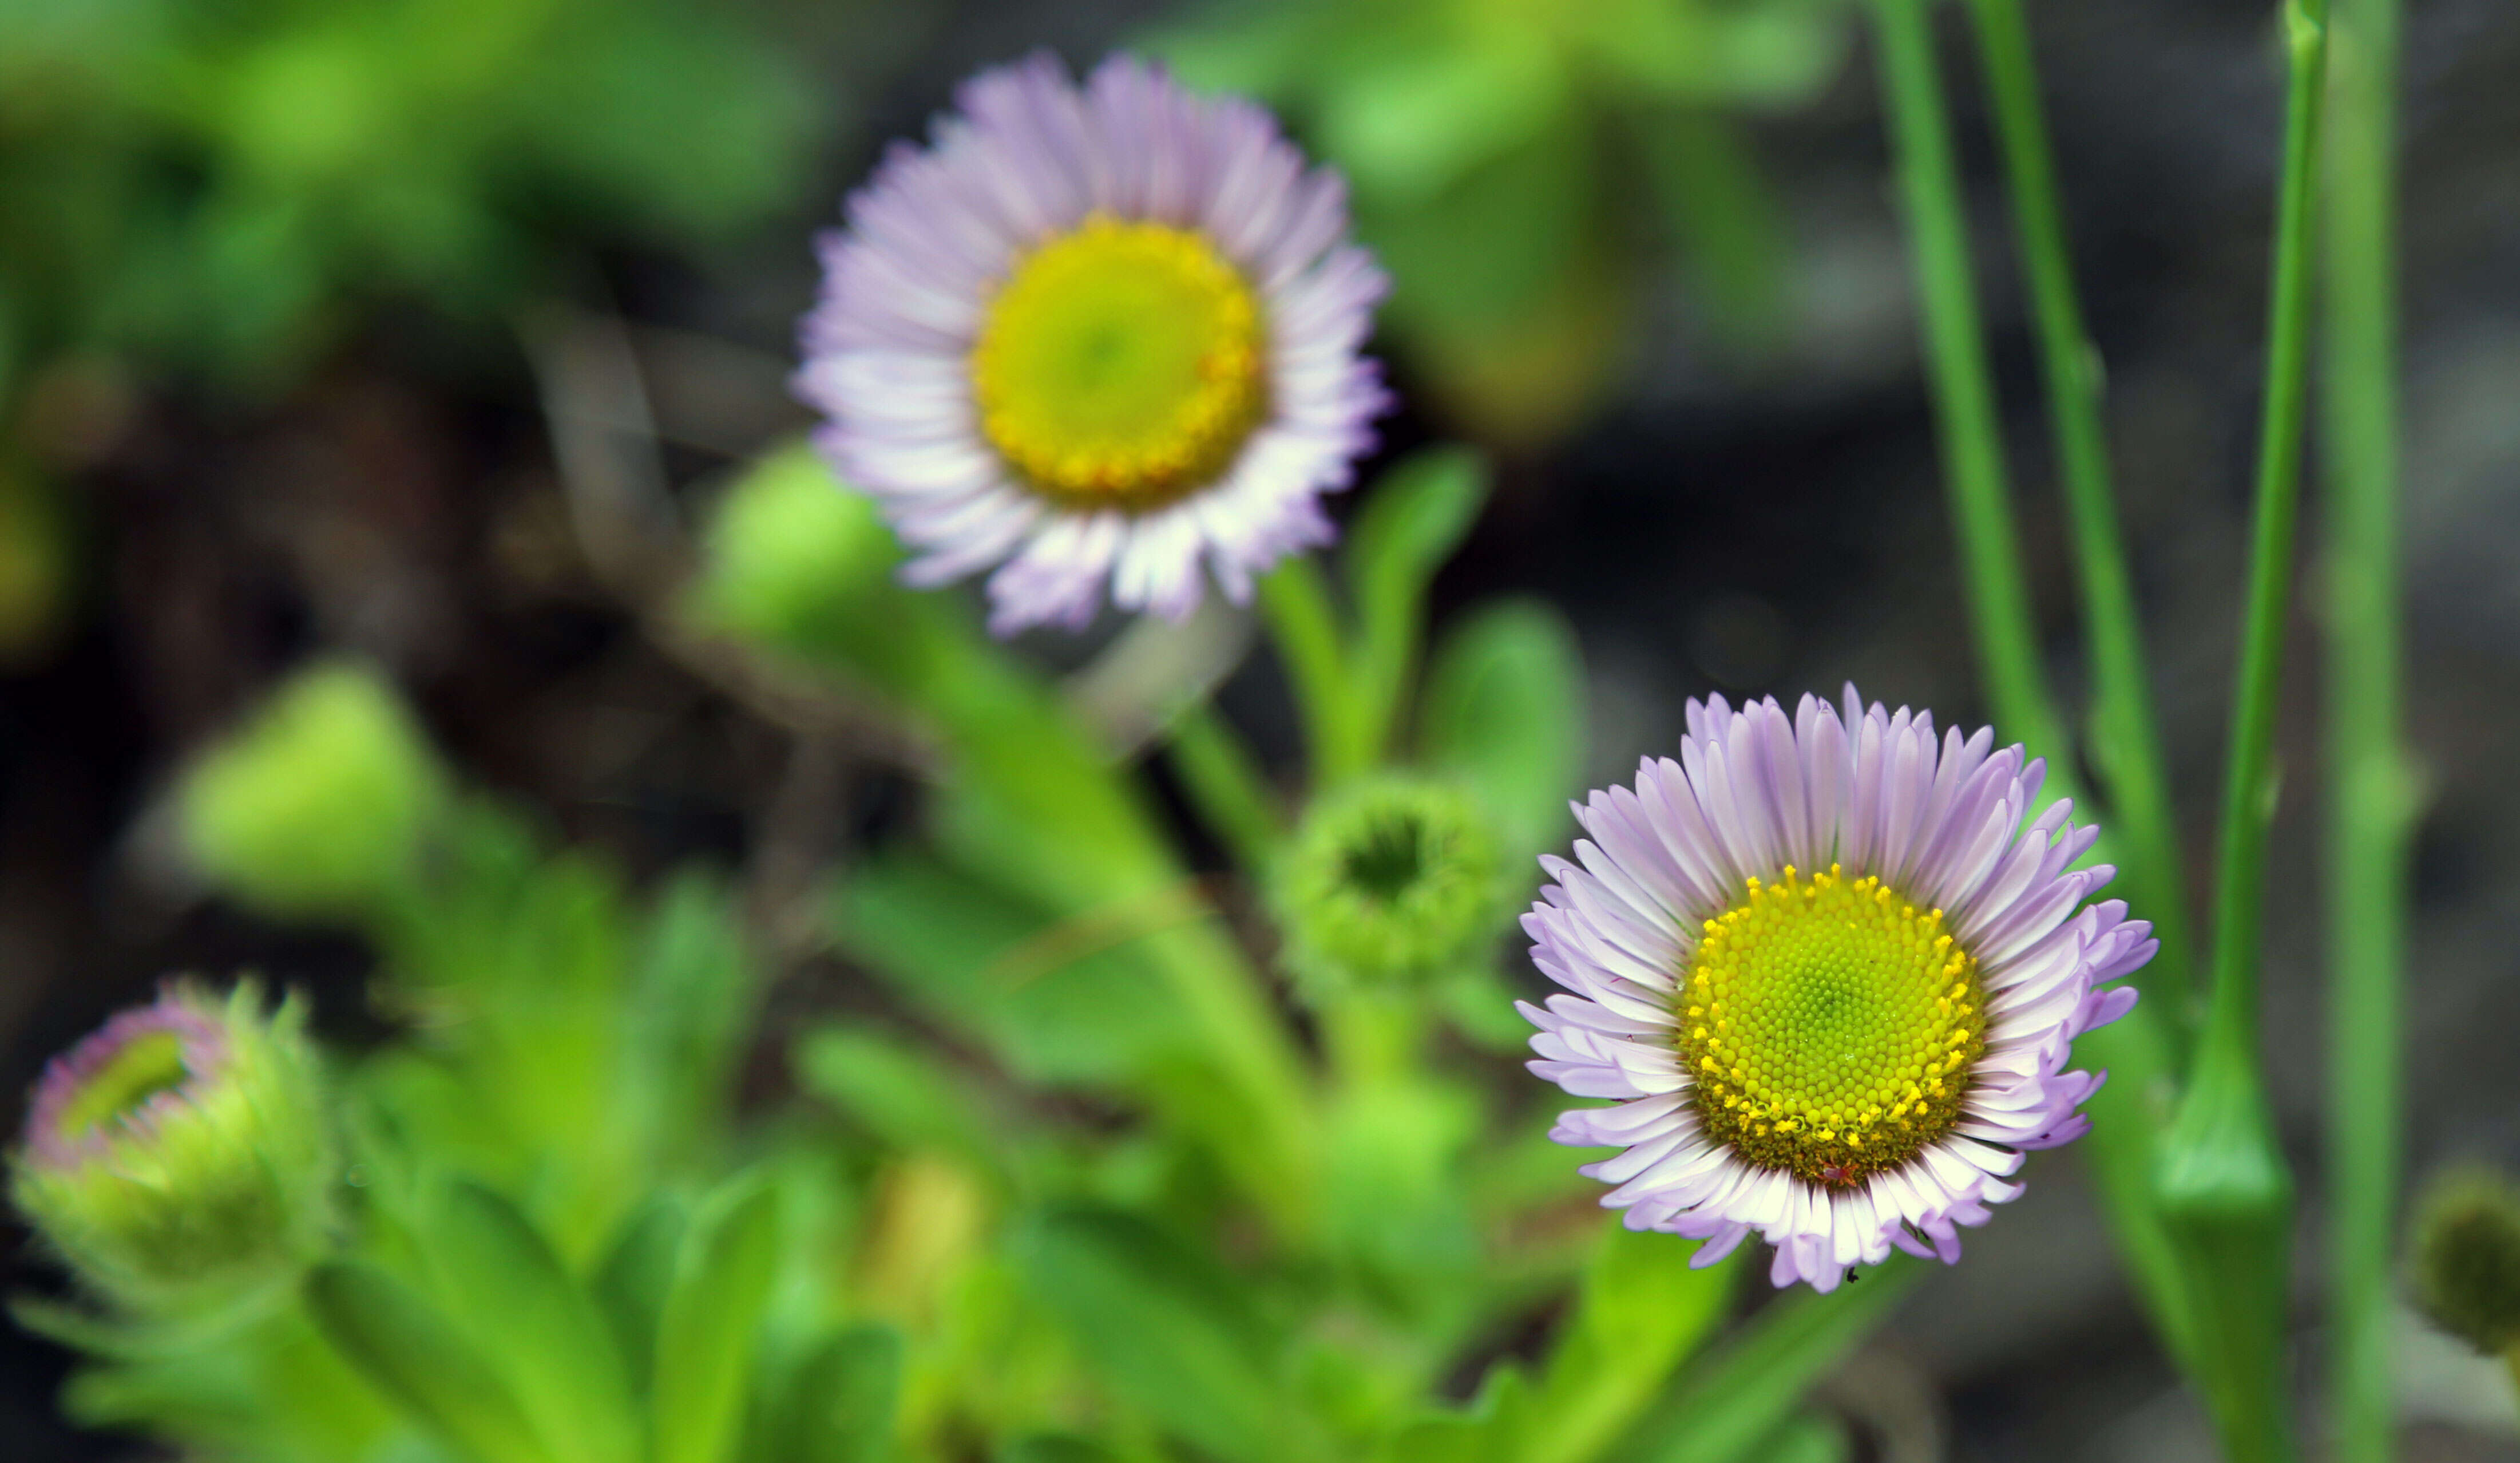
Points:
[(1085, 1191), (537, 1326), (37, 559), (1732, 1404), (1488, 149), (707, 1328), (223, 188), (412, 1354), (1503, 711), (839, 1404), (1419, 514), (1167, 1329), (1643, 1310)]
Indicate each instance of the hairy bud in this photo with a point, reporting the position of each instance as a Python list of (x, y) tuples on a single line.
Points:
[(1388, 881), (179, 1159), (2467, 1258)]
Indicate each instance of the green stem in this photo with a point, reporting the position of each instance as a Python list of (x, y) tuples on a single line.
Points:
[(1373, 1039), (1963, 385), (1295, 603), (2225, 1183), (2137, 1051), (2368, 804), (2248, 786), (1222, 778), (2126, 742)]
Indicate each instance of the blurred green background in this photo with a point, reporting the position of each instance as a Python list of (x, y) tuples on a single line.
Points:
[(414, 330)]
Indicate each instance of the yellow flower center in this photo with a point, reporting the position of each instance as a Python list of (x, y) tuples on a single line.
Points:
[(1832, 1026), (1121, 365)]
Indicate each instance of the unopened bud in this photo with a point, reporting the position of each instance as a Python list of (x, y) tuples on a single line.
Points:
[(795, 560), (2467, 1258), (179, 1159), (1389, 881), (318, 804)]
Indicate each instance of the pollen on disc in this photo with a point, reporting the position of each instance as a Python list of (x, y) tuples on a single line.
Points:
[(1121, 365), (1830, 1026)]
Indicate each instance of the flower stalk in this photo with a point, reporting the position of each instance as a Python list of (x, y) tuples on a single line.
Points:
[(1963, 385), (2370, 802), (1304, 626), (2137, 1051), (2224, 1185), (2125, 735)]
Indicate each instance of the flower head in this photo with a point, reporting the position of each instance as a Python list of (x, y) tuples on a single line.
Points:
[(179, 1156), (1833, 978), (1387, 880), (1095, 336)]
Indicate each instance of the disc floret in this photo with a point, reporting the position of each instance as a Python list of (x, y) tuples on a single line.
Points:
[(1830, 1026), (1121, 365)]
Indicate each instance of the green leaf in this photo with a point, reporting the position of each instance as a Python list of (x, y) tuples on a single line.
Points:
[(1496, 239), (1167, 1329), (83, 1329), (1806, 1439), (1416, 119), (532, 1321), (1505, 709), (1737, 1397), (837, 1406), (895, 1090), (1056, 1447), (707, 1331), (1495, 1429), (1643, 1310), (1416, 515), (634, 1279), (695, 988), (409, 1351), (1087, 1011)]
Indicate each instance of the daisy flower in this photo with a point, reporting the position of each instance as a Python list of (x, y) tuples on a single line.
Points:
[(1832, 980), (1096, 335)]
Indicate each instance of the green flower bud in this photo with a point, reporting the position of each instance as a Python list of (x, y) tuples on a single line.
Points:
[(179, 1159), (1388, 881), (793, 559), (2467, 1260), (318, 804)]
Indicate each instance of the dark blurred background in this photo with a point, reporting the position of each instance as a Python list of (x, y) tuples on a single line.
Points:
[(296, 300)]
